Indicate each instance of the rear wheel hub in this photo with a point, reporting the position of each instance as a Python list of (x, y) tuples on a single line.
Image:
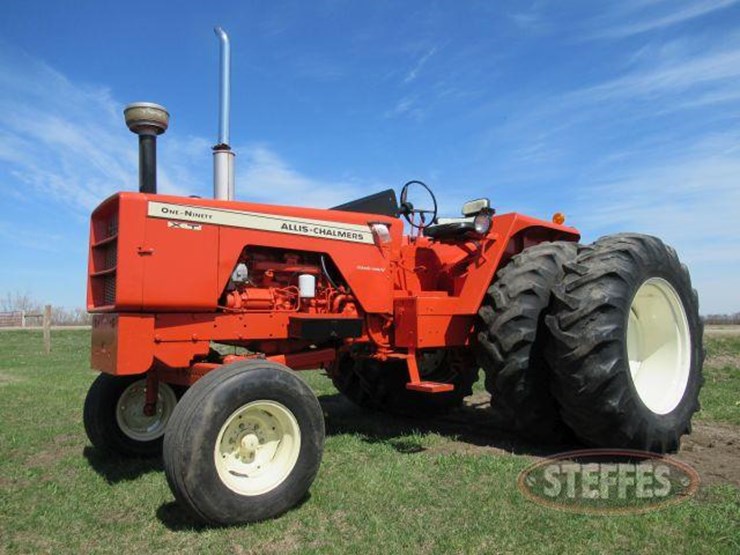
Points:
[(658, 345)]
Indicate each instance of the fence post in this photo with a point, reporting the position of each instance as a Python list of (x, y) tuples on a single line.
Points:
[(47, 329), (23, 318)]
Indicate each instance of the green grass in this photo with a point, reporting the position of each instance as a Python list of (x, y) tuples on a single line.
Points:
[(385, 485), (720, 397)]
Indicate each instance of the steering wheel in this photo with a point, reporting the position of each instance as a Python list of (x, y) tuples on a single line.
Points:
[(408, 210)]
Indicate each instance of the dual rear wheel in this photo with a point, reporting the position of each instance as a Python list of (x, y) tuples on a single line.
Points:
[(511, 341), (626, 346), (601, 343)]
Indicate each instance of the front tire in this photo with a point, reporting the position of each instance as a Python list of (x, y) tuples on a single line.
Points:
[(114, 416), (244, 444), (626, 349)]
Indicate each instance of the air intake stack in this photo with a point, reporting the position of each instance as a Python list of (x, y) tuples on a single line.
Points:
[(147, 120), (223, 156)]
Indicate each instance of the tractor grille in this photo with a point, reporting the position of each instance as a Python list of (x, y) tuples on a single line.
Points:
[(104, 257), (112, 226), (109, 290), (111, 255)]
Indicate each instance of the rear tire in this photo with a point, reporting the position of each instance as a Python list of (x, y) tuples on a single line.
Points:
[(626, 348), (244, 444), (114, 416), (511, 339), (381, 386)]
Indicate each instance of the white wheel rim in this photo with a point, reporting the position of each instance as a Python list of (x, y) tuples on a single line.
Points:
[(130, 411), (658, 346), (257, 447)]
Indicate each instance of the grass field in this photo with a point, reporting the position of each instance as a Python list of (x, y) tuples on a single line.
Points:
[(385, 485)]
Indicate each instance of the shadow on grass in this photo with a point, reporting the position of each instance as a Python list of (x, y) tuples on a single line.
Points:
[(177, 519), (471, 427), (115, 468)]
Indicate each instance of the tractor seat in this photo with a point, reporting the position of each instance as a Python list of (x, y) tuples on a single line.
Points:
[(450, 228)]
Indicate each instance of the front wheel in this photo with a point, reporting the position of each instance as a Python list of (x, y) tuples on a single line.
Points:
[(626, 345), (114, 415), (244, 444)]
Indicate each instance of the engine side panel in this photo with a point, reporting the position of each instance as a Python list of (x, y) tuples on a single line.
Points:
[(180, 262), (175, 254)]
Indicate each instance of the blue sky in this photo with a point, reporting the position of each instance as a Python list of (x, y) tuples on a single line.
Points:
[(623, 115)]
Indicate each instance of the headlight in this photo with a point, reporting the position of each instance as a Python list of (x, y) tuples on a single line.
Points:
[(482, 223), (381, 234)]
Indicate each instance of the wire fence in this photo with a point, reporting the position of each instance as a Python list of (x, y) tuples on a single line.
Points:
[(30, 320), (21, 319)]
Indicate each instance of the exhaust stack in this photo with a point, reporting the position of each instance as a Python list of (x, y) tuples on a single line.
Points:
[(147, 120), (223, 156)]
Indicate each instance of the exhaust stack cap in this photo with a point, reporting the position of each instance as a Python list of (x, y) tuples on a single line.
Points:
[(146, 118)]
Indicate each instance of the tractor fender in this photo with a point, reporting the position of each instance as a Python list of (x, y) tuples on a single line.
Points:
[(511, 234)]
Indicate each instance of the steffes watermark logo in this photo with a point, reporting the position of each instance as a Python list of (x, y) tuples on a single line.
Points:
[(604, 481)]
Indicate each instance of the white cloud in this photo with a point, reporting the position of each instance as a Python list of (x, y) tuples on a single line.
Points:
[(407, 106), (414, 72), (531, 19), (645, 151), (263, 176), (68, 141), (660, 15), (690, 198), (716, 72), (30, 237)]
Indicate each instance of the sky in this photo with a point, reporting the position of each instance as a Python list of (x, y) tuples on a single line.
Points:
[(623, 115)]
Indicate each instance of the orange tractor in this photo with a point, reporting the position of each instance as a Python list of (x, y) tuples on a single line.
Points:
[(599, 343)]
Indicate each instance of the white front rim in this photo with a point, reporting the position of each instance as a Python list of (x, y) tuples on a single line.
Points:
[(658, 346), (130, 411), (257, 447)]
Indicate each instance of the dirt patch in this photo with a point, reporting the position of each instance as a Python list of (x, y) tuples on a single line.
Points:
[(462, 448), (478, 400), (8, 484), (63, 446), (6, 379), (289, 542), (721, 330), (723, 361), (713, 449)]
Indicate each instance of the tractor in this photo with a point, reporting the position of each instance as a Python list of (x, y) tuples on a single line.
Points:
[(597, 343)]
